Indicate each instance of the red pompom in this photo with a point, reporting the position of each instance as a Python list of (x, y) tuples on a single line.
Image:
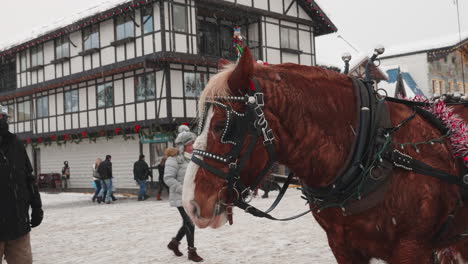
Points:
[(137, 128)]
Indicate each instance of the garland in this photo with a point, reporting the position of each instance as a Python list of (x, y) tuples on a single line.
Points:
[(77, 138), (457, 127)]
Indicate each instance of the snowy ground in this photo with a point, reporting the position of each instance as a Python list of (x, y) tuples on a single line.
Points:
[(77, 231)]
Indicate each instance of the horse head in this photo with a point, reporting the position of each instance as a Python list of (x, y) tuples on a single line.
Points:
[(223, 139)]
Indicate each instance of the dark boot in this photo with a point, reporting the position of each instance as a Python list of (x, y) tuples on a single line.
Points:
[(174, 246), (158, 197), (193, 256)]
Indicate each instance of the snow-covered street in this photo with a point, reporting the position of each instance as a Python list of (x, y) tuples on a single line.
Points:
[(75, 230)]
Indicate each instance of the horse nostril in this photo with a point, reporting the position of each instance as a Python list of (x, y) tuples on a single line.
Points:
[(195, 209)]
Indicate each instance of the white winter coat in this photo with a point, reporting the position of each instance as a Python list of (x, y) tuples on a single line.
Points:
[(174, 173)]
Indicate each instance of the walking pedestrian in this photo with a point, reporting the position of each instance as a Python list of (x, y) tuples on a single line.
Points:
[(18, 193), (169, 152), (140, 175), (174, 173), (105, 171), (65, 176), (97, 179)]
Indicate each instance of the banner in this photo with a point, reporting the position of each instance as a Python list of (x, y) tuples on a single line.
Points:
[(157, 138)]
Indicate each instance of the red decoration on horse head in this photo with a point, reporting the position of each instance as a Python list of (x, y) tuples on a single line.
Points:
[(102, 133), (83, 134), (66, 137), (28, 140), (185, 124), (137, 128), (39, 140), (117, 130), (53, 137)]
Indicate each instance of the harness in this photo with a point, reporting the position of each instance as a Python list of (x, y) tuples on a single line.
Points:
[(366, 171)]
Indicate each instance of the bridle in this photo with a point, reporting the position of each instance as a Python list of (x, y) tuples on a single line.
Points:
[(238, 126)]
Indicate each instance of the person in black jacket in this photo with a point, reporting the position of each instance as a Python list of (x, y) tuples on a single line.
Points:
[(18, 192), (105, 170), (140, 175)]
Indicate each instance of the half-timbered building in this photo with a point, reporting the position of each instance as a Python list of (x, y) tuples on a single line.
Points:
[(113, 81)]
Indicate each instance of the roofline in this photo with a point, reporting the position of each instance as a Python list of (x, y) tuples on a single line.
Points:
[(78, 25), (463, 42), (321, 23)]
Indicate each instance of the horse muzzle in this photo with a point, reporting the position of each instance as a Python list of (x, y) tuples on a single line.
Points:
[(217, 219)]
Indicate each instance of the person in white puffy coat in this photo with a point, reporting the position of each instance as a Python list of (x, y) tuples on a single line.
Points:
[(174, 173)]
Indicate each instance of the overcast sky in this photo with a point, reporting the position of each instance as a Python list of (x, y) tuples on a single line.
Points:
[(363, 23)]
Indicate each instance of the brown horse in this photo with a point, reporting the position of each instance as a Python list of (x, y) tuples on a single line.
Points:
[(312, 112)]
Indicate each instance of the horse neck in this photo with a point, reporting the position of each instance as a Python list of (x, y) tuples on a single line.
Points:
[(313, 115)]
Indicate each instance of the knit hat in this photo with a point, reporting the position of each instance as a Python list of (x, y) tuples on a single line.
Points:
[(185, 136)]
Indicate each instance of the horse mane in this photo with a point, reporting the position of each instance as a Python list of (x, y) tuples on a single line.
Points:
[(217, 86)]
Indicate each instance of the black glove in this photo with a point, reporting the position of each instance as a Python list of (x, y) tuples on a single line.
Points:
[(36, 217)]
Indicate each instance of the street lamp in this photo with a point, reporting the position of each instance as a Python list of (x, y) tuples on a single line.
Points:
[(346, 57)]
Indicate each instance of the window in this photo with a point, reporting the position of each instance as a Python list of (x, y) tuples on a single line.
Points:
[(145, 87), (124, 27), (42, 105), (7, 74), (91, 37), (179, 15), (23, 59), (216, 39), (194, 83), (11, 113), (442, 87), (208, 33), (289, 37), (435, 87), (24, 111), (71, 101), (147, 15), (36, 56), (105, 95), (62, 48), (157, 153), (451, 86)]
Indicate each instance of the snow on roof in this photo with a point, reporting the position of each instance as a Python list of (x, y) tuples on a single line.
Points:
[(411, 87), (427, 44), (63, 22), (390, 87)]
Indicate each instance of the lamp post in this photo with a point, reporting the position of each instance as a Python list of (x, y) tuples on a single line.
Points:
[(346, 57), (377, 51)]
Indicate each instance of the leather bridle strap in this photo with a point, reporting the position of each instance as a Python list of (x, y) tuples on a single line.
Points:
[(259, 213)]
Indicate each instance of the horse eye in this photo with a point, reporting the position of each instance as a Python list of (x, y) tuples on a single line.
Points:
[(219, 126)]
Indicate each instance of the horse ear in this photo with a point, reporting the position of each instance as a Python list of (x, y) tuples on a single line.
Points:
[(222, 63), (240, 78)]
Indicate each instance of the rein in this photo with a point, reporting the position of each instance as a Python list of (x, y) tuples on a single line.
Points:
[(252, 123)]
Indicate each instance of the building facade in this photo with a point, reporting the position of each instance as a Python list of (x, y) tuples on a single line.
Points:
[(437, 70), (118, 82)]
